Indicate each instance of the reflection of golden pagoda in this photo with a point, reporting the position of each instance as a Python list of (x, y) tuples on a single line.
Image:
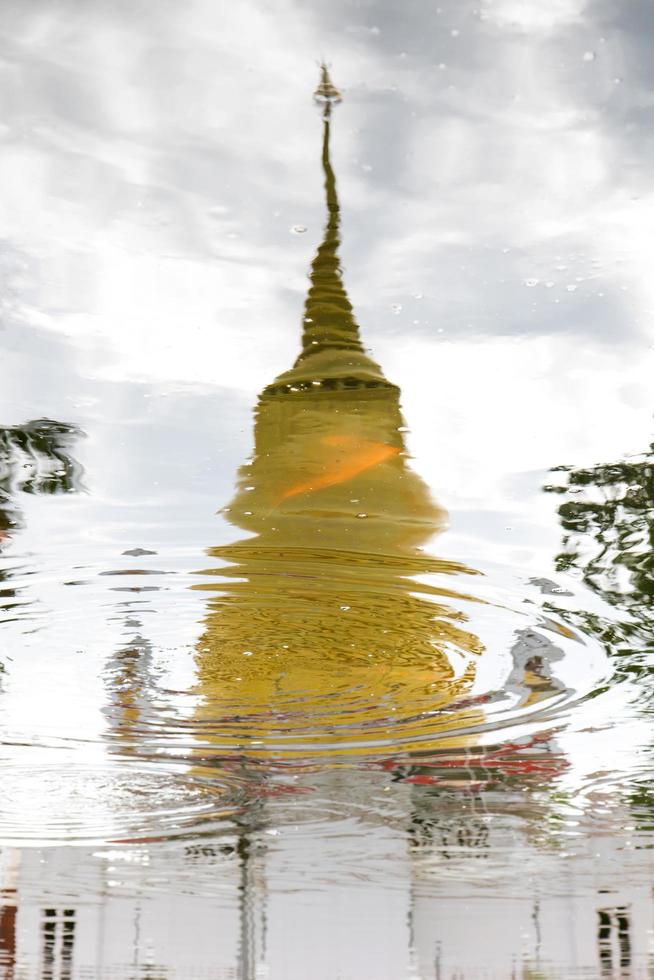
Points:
[(318, 622)]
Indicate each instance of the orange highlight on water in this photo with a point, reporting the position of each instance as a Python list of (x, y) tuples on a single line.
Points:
[(357, 456)]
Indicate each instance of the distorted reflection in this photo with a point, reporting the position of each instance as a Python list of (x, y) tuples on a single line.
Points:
[(613, 941), (35, 458), (608, 521), (320, 634), (607, 517), (8, 913), (130, 676)]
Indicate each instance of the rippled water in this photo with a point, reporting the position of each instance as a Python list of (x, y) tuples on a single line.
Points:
[(326, 605)]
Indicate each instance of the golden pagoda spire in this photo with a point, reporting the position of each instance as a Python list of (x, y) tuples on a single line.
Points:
[(328, 316), (320, 601), (331, 346)]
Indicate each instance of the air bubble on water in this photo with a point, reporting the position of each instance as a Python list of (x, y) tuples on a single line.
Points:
[(355, 500), (418, 295), (531, 282), (403, 428), (345, 608), (455, 32), (362, 515), (396, 308), (549, 284), (589, 56), (247, 513), (247, 653), (617, 81), (249, 488), (571, 287), (298, 229)]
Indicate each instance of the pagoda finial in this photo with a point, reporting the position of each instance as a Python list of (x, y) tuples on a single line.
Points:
[(326, 95), (331, 345)]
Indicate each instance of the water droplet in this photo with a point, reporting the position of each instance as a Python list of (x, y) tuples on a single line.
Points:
[(396, 308), (589, 56), (531, 282), (571, 287), (298, 229), (549, 284), (455, 32)]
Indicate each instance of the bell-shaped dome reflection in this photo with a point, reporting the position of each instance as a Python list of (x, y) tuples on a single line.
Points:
[(319, 634)]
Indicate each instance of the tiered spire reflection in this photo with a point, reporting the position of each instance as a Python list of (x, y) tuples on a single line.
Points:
[(318, 616)]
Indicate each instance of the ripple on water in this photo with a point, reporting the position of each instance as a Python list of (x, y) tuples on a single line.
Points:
[(75, 802), (312, 658), (299, 665)]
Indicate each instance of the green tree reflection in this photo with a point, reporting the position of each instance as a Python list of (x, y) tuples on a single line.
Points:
[(35, 458), (608, 521)]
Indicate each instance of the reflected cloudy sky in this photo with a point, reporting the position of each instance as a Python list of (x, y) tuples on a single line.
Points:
[(161, 202), (493, 174), (493, 170)]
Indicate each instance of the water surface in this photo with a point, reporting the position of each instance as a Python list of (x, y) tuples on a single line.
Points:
[(326, 604)]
